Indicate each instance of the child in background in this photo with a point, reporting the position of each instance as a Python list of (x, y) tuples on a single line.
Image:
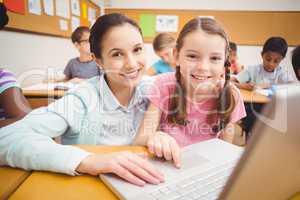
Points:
[(296, 61), (104, 110), (197, 102), (163, 45), (13, 104), (269, 72), (82, 67), (235, 67)]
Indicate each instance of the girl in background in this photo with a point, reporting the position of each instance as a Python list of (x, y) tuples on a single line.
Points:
[(163, 45)]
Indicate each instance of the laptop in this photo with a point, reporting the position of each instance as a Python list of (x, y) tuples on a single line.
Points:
[(268, 168)]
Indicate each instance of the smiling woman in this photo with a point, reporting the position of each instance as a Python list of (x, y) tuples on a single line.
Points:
[(104, 110)]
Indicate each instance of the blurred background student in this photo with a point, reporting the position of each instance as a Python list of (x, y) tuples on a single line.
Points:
[(84, 66), (163, 45), (270, 71), (235, 66), (296, 61), (13, 104)]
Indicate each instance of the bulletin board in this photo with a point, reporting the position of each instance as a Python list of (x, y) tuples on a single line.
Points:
[(243, 27), (50, 25)]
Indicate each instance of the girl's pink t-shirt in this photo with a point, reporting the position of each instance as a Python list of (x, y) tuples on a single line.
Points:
[(200, 116)]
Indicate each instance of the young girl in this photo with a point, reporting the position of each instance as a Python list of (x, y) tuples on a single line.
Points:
[(105, 110), (163, 45), (197, 102)]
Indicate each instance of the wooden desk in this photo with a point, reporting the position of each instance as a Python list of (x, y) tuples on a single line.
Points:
[(10, 180), (41, 95), (253, 97), (49, 186)]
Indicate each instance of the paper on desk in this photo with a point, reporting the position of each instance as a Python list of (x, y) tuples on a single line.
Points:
[(50, 86), (265, 92)]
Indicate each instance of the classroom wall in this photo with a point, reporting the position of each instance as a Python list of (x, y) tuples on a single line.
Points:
[(29, 55), (210, 5), (248, 55)]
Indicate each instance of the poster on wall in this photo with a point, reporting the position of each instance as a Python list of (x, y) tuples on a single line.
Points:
[(62, 8), (147, 24), (48, 7), (63, 25), (166, 23), (17, 6), (75, 22), (75, 7), (34, 7), (91, 14)]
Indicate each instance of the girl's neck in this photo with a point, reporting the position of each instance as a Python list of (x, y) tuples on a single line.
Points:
[(121, 92), (85, 58)]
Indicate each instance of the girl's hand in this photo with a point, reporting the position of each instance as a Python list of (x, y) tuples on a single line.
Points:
[(246, 86), (129, 166), (163, 145)]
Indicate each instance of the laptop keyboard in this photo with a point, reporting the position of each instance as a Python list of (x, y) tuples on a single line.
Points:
[(206, 185)]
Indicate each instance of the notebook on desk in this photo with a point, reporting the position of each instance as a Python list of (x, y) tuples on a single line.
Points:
[(269, 168), (52, 86)]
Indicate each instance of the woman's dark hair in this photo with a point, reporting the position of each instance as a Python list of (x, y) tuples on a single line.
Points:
[(296, 61), (78, 32), (225, 102), (103, 25), (276, 44), (3, 16)]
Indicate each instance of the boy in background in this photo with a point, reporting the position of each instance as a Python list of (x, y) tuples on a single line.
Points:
[(82, 67), (269, 72), (296, 61), (163, 45), (235, 67)]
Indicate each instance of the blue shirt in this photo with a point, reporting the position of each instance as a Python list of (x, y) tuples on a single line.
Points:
[(258, 75), (162, 67), (88, 114)]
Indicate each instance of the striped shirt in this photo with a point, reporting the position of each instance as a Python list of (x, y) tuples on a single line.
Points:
[(7, 80)]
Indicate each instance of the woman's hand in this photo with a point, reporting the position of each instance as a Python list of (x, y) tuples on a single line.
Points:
[(163, 145), (129, 166)]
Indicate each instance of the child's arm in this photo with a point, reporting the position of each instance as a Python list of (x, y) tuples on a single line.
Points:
[(151, 71), (245, 86), (158, 142), (14, 104)]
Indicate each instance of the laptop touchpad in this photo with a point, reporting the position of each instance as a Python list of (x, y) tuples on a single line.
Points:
[(188, 162)]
